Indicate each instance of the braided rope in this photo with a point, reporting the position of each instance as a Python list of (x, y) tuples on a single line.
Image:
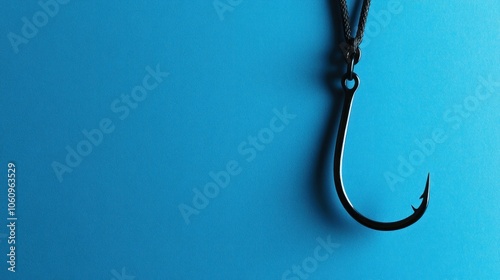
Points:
[(354, 41)]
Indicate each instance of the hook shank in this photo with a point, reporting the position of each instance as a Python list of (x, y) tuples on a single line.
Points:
[(337, 170)]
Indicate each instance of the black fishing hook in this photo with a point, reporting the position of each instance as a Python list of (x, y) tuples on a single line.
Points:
[(337, 167)]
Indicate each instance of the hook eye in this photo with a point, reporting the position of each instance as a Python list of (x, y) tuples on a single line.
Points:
[(346, 78)]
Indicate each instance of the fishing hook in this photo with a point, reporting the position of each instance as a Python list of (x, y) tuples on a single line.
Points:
[(337, 169)]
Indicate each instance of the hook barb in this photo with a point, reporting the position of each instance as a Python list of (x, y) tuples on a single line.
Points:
[(337, 171)]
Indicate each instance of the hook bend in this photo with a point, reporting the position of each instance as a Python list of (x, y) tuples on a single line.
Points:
[(337, 171)]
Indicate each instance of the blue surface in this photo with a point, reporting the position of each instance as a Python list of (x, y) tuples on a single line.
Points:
[(429, 71)]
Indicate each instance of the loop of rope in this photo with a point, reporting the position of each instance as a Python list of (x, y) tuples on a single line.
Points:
[(353, 42)]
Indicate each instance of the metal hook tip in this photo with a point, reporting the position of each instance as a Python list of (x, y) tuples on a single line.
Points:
[(425, 195)]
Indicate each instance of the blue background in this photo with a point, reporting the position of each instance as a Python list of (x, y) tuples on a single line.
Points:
[(117, 213)]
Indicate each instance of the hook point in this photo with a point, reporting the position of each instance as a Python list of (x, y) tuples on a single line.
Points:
[(425, 194)]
